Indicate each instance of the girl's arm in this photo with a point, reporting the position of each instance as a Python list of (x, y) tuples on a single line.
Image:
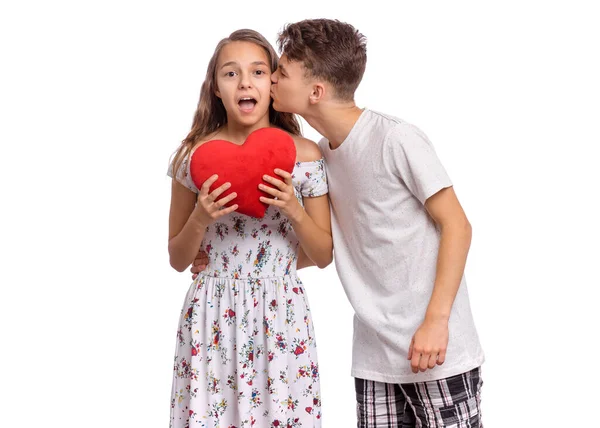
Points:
[(313, 229), (303, 261), (311, 224), (189, 216)]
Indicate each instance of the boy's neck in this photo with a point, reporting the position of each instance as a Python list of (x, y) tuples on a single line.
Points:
[(334, 121)]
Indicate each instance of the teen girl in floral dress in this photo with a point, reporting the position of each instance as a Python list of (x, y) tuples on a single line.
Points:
[(246, 352)]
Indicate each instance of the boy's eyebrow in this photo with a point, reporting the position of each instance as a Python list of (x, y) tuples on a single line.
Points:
[(282, 68)]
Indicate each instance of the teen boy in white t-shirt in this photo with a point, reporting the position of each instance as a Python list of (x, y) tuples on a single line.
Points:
[(400, 236)]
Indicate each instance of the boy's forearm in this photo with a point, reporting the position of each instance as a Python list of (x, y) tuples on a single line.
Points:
[(452, 257)]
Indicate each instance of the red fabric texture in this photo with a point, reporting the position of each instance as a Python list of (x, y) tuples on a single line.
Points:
[(244, 166)]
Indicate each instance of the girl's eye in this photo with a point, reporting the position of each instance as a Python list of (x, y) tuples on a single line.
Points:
[(230, 74), (259, 72)]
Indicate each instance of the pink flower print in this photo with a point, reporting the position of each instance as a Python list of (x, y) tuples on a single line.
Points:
[(314, 370), (299, 347), (283, 229), (229, 316), (259, 256), (280, 342), (255, 399), (290, 402)]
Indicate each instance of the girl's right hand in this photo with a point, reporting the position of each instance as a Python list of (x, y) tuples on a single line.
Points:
[(207, 210)]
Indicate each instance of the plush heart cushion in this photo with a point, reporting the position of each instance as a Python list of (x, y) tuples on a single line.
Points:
[(244, 166)]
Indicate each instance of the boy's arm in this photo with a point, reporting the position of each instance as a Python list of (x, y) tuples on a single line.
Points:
[(429, 343)]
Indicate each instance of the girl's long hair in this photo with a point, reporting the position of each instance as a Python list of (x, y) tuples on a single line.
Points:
[(211, 115)]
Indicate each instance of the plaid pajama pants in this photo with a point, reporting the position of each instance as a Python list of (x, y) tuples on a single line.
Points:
[(453, 402)]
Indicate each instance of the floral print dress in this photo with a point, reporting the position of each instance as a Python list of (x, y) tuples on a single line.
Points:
[(246, 352)]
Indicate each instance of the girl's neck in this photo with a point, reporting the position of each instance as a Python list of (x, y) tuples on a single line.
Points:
[(237, 132)]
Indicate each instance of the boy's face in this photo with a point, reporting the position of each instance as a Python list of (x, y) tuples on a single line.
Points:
[(290, 88)]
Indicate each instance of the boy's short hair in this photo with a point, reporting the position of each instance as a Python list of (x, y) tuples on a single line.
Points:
[(329, 49)]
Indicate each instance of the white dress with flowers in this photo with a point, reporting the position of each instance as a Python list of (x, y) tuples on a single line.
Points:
[(246, 352)]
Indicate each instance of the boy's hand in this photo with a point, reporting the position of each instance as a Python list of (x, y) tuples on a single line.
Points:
[(199, 264), (428, 345)]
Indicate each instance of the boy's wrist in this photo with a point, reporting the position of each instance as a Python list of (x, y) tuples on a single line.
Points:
[(437, 315)]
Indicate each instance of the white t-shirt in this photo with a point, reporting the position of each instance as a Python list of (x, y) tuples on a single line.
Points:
[(386, 248)]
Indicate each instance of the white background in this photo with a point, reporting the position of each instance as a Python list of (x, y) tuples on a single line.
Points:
[(94, 98)]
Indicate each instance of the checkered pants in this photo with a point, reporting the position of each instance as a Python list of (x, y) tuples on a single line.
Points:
[(453, 402)]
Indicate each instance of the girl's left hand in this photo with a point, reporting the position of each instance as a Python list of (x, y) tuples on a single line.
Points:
[(284, 198)]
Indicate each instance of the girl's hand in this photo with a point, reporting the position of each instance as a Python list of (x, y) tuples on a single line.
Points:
[(284, 198), (207, 210)]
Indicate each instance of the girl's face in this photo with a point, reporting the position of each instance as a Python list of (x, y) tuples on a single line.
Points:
[(243, 81)]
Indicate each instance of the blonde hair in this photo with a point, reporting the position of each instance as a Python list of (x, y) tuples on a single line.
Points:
[(211, 115)]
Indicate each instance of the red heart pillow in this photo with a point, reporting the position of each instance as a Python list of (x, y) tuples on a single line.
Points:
[(244, 166)]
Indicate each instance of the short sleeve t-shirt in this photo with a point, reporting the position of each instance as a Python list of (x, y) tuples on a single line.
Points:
[(386, 247)]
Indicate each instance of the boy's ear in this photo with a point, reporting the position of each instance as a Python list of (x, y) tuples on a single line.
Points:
[(318, 93)]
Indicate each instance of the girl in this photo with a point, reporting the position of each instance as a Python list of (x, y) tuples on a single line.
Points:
[(246, 352)]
